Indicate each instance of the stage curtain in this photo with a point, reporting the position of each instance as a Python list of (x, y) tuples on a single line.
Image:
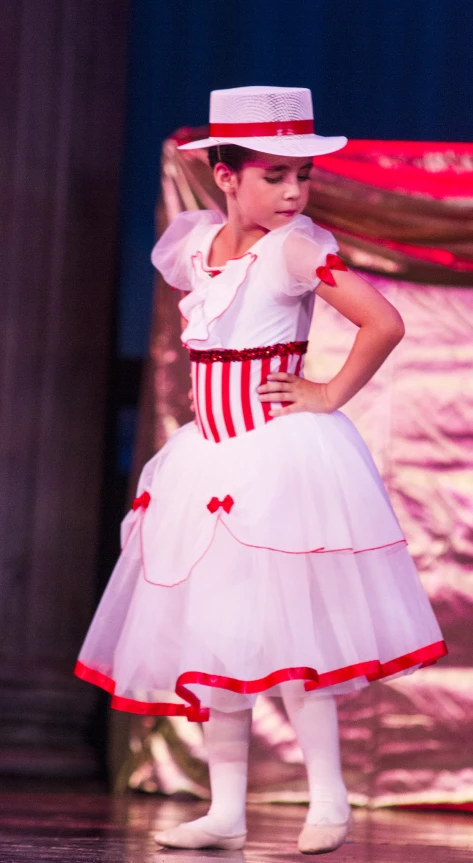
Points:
[(402, 213)]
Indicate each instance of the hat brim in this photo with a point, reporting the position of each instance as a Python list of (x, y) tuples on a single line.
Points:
[(278, 145)]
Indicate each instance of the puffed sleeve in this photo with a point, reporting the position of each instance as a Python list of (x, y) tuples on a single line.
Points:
[(305, 249), (172, 254)]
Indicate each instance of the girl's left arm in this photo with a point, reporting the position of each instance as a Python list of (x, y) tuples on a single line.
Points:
[(380, 329)]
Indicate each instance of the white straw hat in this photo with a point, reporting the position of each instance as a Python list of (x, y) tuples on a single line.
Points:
[(278, 120)]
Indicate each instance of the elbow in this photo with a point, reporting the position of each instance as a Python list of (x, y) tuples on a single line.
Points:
[(395, 330), (399, 329)]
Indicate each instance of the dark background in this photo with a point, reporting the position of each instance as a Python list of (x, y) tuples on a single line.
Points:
[(380, 70), (88, 91)]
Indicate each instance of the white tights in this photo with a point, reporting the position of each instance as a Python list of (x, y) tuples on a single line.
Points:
[(315, 722), (227, 738)]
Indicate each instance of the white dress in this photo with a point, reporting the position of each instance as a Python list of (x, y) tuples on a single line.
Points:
[(260, 553)]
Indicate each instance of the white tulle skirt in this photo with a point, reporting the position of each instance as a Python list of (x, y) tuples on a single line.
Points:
[(268, 560)]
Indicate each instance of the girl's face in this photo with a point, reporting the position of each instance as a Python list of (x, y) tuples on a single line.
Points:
[(270, 190)]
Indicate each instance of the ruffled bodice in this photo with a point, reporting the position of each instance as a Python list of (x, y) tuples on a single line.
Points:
[(258, 299)]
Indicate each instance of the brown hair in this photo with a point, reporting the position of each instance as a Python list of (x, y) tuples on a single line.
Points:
[(233, 156)]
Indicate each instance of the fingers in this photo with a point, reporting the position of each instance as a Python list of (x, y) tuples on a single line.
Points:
[(282, 376), (278, 397), (283, 388), (280, 412), (279, 382), (276, 387)]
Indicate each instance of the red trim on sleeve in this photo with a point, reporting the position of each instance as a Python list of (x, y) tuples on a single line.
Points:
[(333, 262)]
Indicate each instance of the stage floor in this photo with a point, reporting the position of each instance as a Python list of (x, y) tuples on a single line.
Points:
[(93, 827)]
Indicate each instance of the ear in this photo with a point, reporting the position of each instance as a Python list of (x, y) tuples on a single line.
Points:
[(225, 178)]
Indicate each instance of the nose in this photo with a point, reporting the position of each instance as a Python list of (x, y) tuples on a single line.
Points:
[(292, 191)]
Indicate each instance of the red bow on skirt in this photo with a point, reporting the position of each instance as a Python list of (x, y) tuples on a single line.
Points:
[(215, 503), (143, 500)]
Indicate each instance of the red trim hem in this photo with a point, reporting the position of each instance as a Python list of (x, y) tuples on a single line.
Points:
[(447, 805), (193, 710)]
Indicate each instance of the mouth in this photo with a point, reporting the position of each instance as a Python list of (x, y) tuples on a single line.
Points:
[(287, 213)]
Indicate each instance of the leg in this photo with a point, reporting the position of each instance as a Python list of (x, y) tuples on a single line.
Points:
[(315, 722), (316, 725), (227, 737)]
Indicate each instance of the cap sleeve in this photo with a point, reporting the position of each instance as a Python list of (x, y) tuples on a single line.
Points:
[(172, 253), (305, 249)]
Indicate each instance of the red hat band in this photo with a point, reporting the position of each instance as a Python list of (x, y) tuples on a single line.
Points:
[(261, 130), (277, 120)]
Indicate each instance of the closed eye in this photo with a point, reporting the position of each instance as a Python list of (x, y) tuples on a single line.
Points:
[(302, 179)]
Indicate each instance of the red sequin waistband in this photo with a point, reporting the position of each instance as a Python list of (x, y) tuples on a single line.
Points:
[(222, 355)]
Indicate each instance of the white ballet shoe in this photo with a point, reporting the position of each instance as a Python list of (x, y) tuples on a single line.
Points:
[(188, 836), (323, 837)]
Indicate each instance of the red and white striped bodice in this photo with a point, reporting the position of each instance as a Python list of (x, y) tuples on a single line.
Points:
[(225, 382)]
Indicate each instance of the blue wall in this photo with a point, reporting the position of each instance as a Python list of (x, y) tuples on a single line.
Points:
[(389, 69)]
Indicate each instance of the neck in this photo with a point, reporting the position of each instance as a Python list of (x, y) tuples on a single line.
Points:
[(236, 237)]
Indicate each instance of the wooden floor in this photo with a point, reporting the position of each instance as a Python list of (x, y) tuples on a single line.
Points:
[(92, 827)]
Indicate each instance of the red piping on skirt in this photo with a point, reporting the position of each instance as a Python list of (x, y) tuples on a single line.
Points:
[(321, 550)]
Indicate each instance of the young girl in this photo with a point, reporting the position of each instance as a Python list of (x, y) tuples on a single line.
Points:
[(262, 553)]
